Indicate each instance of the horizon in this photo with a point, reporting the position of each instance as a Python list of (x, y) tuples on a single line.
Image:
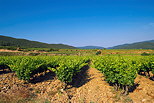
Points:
[(78, 23), (78, 46)]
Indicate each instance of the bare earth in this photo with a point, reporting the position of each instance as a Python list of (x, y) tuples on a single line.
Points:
[(5, 50), (144, 93), (88, 87)]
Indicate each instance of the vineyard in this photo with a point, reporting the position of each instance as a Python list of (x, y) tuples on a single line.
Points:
[(26, 67), (122, 71), (119, 71)]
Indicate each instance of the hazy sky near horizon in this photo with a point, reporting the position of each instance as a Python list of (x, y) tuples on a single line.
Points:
[(78, 22)]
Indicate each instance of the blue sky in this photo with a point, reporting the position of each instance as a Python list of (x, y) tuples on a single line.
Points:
[(78, 22)]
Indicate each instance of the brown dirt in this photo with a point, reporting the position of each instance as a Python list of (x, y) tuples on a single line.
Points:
[(94, 91), (5, 50), (144, 93), (89, 87)]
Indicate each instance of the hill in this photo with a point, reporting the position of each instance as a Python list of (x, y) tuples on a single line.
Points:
[(91, 47), (9, 41), (138, 45)]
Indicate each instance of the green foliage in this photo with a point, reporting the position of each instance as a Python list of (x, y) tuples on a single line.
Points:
[(11, 54), (137, 45), (51, 49), (26, 67), (98, 52), (69, 67), (9, 41), (33, 54), (121, 71), (8, 47), (147, 54)]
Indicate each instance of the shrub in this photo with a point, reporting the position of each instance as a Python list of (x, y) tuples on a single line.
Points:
[(145, 54)]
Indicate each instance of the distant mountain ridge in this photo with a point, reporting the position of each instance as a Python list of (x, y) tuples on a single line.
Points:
[(10, 41), (91, 47), (152, 41), (137, 45)]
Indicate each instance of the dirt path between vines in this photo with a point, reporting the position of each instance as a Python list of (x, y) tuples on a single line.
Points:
[(89, 87), (94, 91)]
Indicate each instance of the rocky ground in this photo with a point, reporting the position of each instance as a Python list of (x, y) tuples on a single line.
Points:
[(88, 87)]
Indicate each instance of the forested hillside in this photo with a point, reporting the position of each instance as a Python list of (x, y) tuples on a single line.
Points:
[(9, 41), (138, 45)]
